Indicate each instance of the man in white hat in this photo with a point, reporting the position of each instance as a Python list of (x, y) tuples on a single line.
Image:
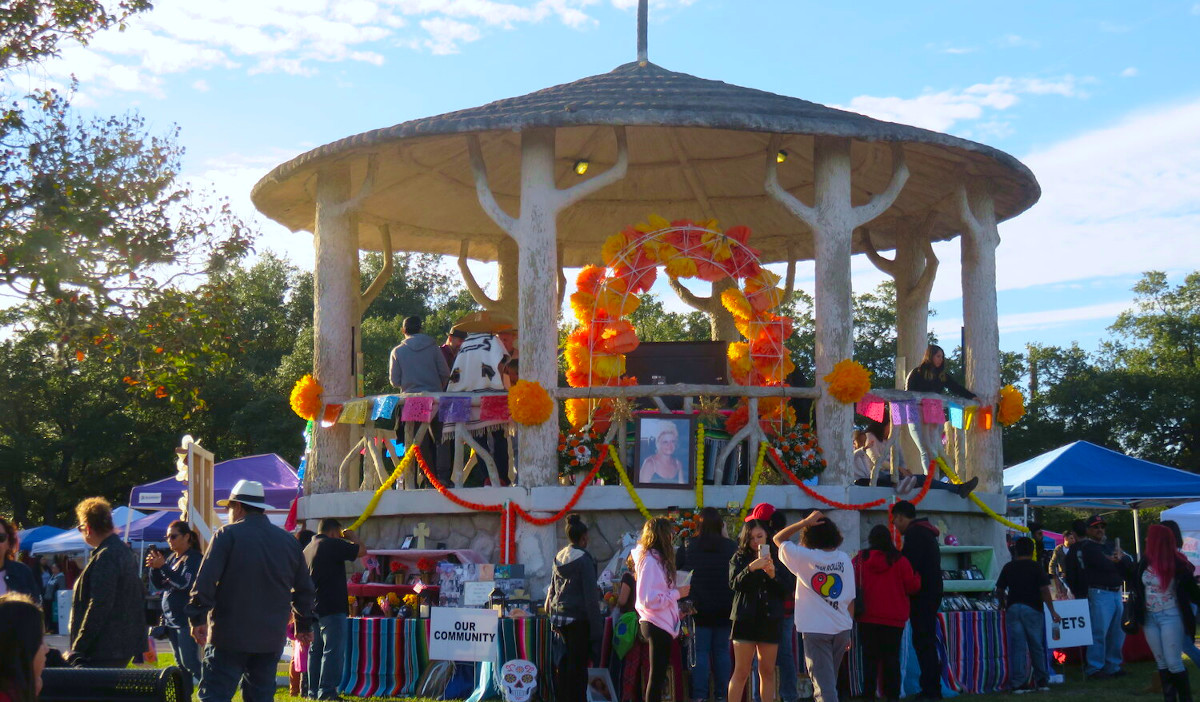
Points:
[(252, 580)]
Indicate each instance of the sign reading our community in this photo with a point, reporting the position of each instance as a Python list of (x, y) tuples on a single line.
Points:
[(1075, 629), (457, 634)]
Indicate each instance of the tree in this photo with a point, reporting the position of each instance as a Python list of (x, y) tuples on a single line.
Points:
[(30, 30)]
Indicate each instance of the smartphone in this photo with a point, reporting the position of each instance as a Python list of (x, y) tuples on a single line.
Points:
[(764, 551)]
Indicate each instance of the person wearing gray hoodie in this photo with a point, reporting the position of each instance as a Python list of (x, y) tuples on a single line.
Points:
[(573, 602), (417, 364)]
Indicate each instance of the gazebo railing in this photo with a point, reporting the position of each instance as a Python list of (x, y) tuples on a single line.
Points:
[(380, 455)]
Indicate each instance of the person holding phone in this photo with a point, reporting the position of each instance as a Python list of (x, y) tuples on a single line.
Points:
[(657, 598), (174, 575), (757, 610), (1105, 567)]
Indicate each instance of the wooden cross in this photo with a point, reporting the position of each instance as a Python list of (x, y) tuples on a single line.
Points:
[(421, 531)]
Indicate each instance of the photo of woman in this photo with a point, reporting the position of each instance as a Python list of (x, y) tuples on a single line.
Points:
[(664, 447)]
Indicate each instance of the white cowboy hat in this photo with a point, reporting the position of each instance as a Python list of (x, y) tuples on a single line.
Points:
[(247, 492)]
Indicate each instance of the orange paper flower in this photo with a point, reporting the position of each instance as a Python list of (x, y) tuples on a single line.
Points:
[(1012, 406), (529, 403), (306, 397), (848, 381)]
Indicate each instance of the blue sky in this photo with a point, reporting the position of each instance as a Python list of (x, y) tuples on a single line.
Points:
[(1100, 99)]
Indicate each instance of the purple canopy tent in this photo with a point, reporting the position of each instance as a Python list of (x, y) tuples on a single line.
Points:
[(278, 479)]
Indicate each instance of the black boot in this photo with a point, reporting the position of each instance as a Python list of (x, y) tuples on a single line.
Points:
[(1170, 692), (965, 489), (1183, 685)]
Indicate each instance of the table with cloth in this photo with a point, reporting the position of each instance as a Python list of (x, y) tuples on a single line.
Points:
[(386, 657), (973, 647)]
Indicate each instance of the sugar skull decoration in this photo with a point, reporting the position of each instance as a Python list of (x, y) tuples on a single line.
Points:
[(518, 680)]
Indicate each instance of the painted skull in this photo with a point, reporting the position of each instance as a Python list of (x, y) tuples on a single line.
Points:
[(518, 680)]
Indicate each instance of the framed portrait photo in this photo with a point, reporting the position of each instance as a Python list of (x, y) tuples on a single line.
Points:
[(407, 543), (600, 686), (665, 451)]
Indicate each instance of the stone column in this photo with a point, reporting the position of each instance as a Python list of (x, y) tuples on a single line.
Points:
[(980, 238), (335, 314)]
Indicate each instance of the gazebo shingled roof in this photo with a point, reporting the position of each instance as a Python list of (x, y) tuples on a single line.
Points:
[(691, 141)]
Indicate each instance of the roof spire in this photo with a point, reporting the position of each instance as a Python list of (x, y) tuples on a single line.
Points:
[(643, 12)]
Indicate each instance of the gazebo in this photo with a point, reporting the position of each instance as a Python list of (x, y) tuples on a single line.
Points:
[(537, 182)]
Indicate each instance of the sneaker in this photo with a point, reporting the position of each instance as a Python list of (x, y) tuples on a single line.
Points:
[(1022, 691)]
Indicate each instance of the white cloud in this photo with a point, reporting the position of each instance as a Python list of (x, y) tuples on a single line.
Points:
[(200, 86), (1040, 320), (293, 37), (1016, 41), (1196, 9), (958, 50), (1117, 201), (1129, 72), (942, 110)]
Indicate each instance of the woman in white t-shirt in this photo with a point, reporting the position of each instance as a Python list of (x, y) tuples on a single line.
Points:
[(824, 597)]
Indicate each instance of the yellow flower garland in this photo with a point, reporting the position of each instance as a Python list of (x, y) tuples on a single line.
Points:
[(848, 381), (529, 403), (405, 462), (700, 467), (758, 467), (637, 501), (306, 397), (1012, 406), (978, 502)]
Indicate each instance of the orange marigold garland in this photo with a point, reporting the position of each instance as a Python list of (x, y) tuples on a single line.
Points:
[(1012, 406), (848, 381), (306, 398), (529, 403)]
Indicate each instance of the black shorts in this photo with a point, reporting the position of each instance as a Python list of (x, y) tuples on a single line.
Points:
[(764, 631)]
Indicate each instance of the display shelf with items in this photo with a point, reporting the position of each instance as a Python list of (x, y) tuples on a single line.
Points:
[(968, 569)]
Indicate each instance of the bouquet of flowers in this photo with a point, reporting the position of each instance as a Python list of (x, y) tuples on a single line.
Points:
[(413, 601), (687, 525), (797, 448), (577, 451)]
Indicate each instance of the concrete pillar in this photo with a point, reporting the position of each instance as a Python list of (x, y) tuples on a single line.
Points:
[(982, 333), (335, 317)]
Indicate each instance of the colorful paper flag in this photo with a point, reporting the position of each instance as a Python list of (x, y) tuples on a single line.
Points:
[(353, 412), (871, 407), (932, 412), (330, 416), (493, 408), (384, 407), (904, 413), (969, 417), (956, 415), (454, 409), (984, 418), (417, 409)]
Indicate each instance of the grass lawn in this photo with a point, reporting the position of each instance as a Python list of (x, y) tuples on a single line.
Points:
[(1075, 689)]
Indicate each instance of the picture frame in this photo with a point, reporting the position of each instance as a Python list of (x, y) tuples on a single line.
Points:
[(657, 467), (600, 686), (407, 543)]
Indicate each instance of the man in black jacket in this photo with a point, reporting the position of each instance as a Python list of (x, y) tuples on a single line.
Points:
[(923, 552), (108, 611), (252, 579), (1104, 568)]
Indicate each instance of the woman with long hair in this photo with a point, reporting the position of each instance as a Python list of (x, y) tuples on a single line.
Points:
[(931, 376), (174, 575), (1165, 591), (657, 600), (22, 649), (756, 612), (707, 557), (17, 576), (886, 574), (573, 602)]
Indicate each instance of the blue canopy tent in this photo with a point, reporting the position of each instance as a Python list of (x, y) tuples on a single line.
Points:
[(152, 529), (28, 537), (1085, 475), (71, 541)]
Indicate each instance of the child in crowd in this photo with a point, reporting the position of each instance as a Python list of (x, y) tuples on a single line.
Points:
[(1024, 587)]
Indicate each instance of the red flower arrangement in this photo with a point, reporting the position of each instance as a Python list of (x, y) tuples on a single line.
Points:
[(426, 564), (396, 566)]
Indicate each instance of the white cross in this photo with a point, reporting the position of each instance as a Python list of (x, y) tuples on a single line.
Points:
[(421, 531)]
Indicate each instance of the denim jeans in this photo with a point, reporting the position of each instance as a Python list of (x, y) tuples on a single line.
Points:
[(1165, 636), (712, 655), (1104, 655), (928, 438), (1026, 637), (785, 661), (222, 670), (326, 656), (187, 652)]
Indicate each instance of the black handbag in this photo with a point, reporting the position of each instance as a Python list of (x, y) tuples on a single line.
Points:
[(159, 631), (1129, 608)]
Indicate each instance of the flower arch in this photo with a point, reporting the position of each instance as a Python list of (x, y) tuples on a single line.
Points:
[(606, 296)]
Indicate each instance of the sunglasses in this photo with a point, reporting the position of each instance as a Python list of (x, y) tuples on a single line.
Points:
[(172, 537)]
